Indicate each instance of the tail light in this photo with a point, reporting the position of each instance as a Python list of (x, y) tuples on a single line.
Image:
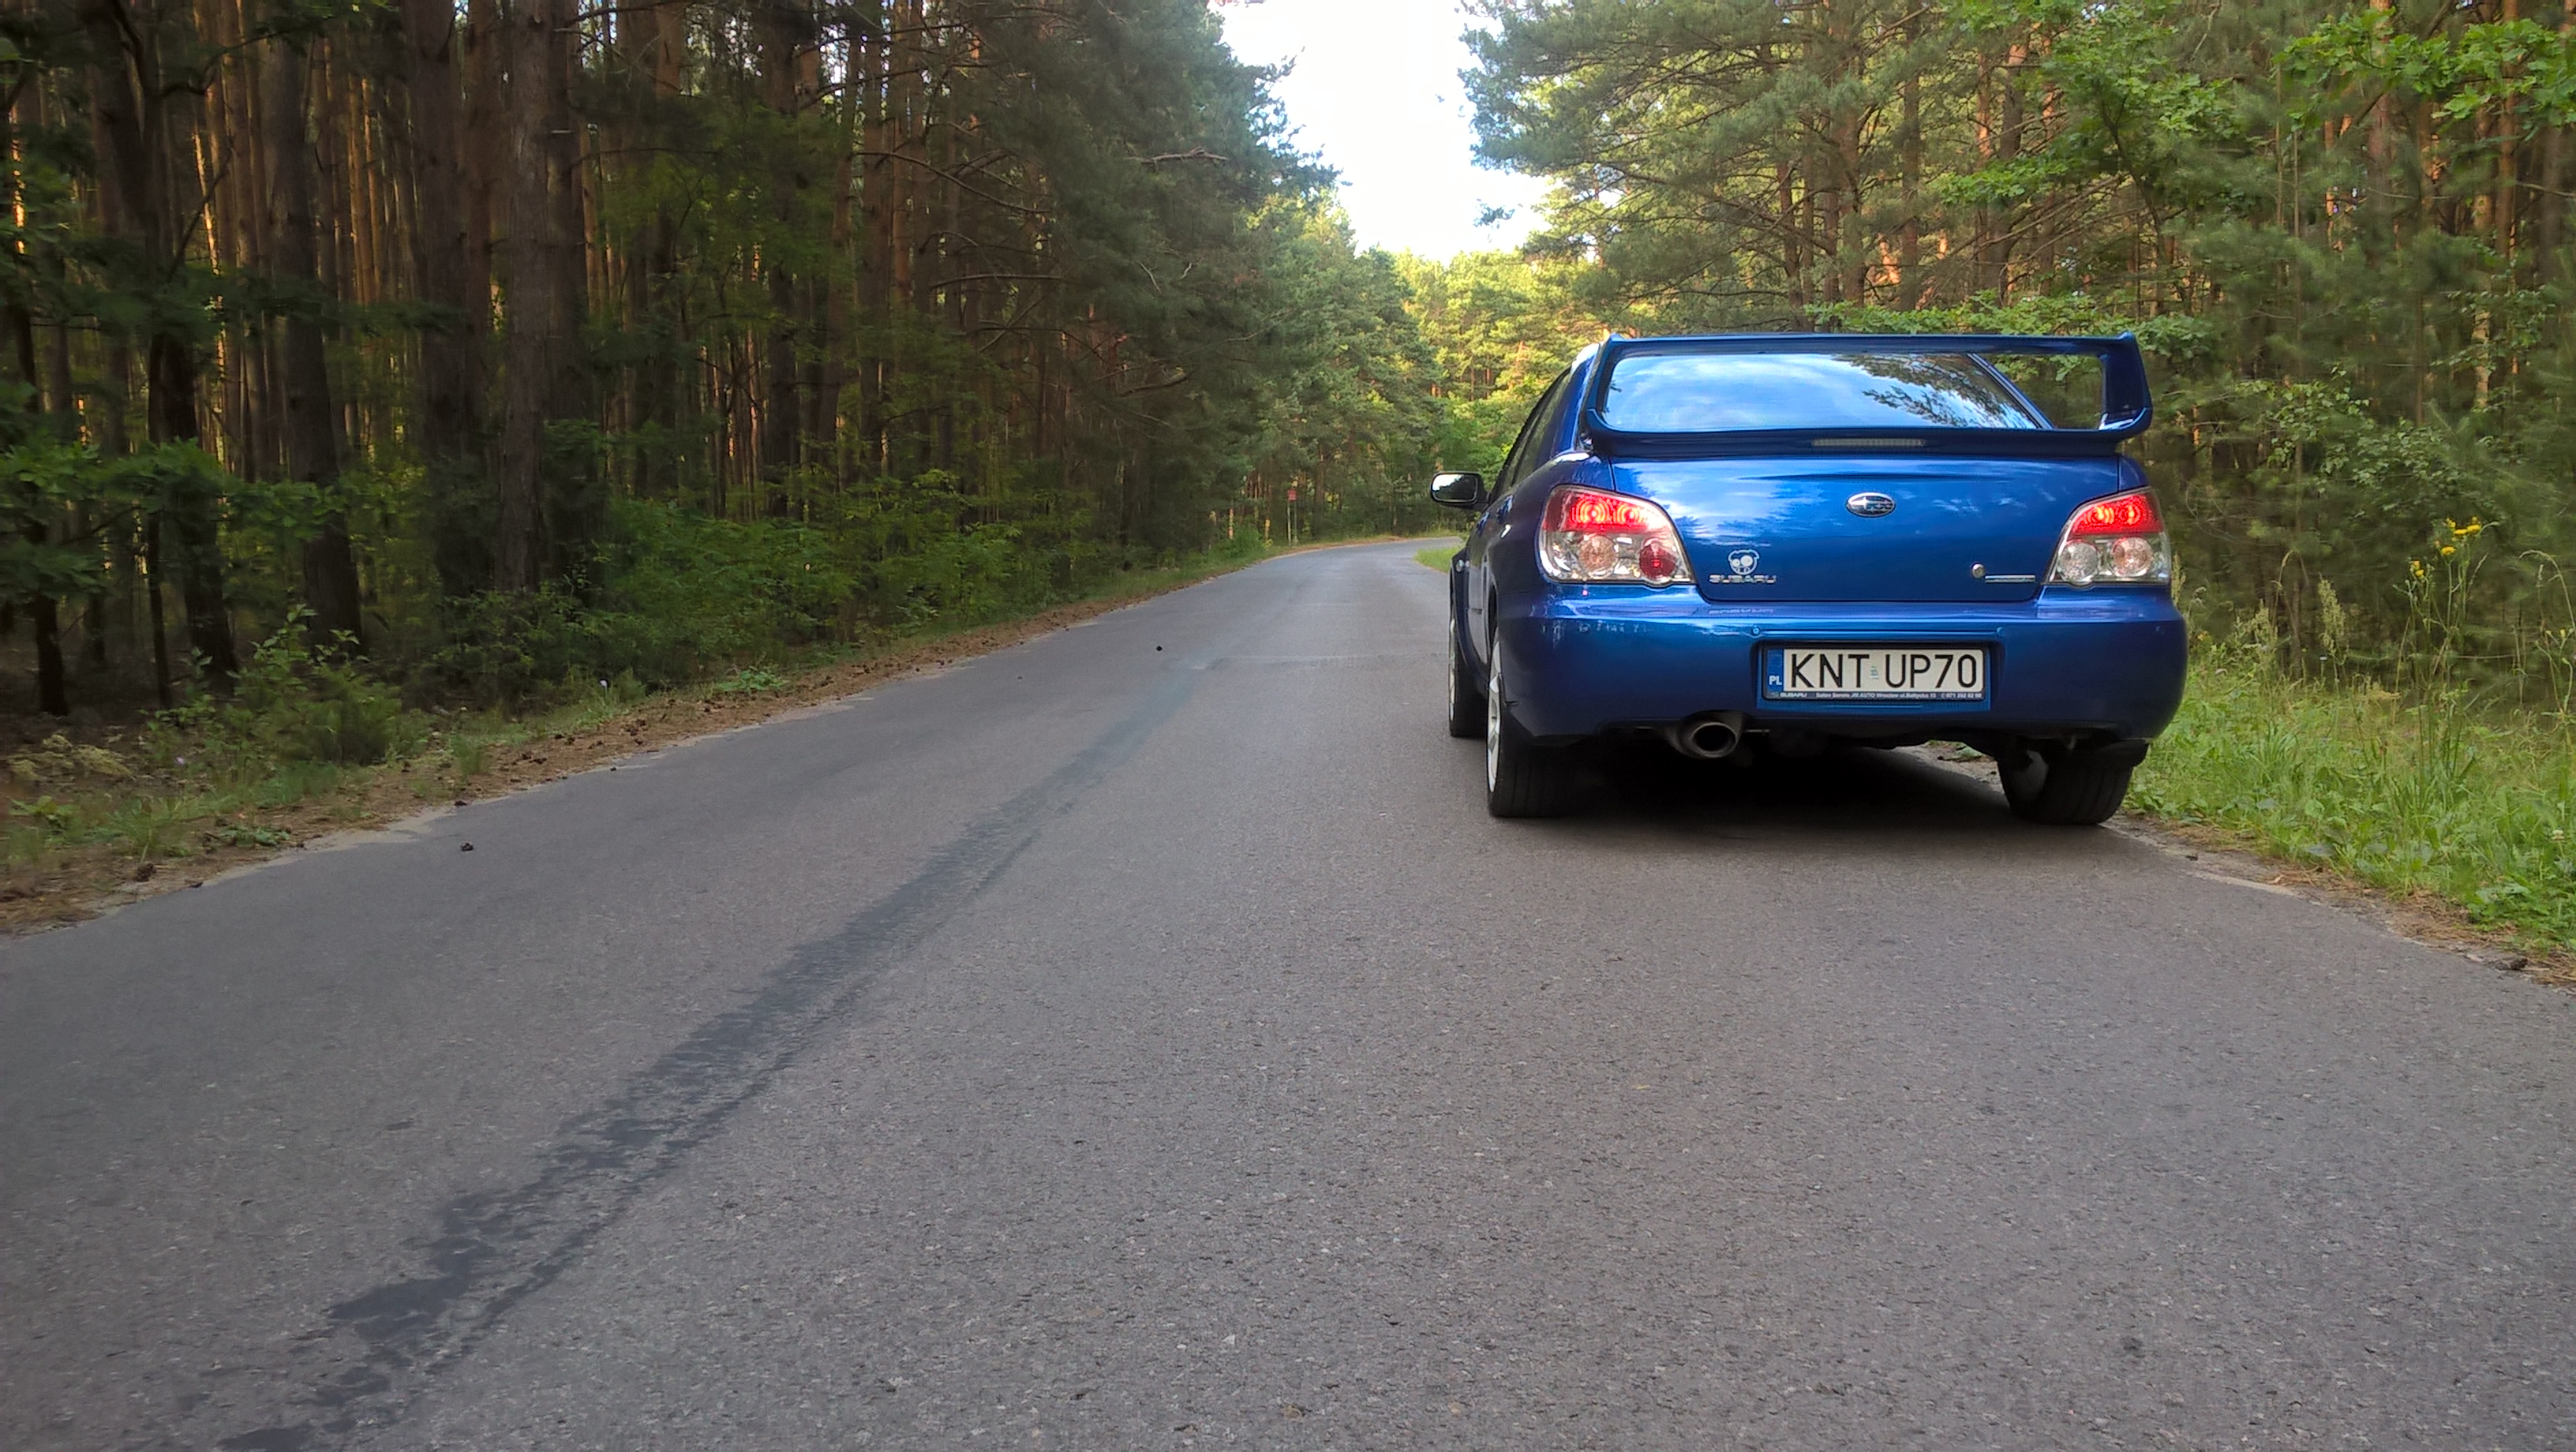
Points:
[(2115, 541), (1594, 537)]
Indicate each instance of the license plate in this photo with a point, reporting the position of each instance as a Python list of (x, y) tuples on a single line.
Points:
[(1874, 673)]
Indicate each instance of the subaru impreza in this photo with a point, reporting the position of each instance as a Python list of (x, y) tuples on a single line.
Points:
[(1788, 543)]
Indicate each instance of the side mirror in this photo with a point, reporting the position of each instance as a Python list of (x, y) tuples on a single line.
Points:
[(1458, 491)]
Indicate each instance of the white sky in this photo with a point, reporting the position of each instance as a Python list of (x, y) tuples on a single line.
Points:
[(1376, 92)]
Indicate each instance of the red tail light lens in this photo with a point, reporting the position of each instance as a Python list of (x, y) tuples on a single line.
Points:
[(2115, 541), (1594, 537), (2127, 514)]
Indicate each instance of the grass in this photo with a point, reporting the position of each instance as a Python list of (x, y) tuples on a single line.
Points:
[(1437, 557), (2477, 807), (150, 829)]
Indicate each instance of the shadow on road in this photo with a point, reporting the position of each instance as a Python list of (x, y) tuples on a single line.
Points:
[(1857, 792)]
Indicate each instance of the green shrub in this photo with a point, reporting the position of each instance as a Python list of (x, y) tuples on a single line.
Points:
[(752, 681), (292, 703), (150, 828), (245, 834), (470, 755), (679, 594), (501, 648), (49, 815), (957, 576), (719, 588)]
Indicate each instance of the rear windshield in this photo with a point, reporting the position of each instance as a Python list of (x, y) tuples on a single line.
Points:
[(1654, 393)]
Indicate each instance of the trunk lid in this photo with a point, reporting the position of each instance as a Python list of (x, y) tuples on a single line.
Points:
[(1954, 528)]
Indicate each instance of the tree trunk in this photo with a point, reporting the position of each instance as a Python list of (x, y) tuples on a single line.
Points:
[(153, 608), (44, 617), (451, 272), (311, 426), (1909, 161), (534, 311), (130, 97), (785, 31), (2007, 149)]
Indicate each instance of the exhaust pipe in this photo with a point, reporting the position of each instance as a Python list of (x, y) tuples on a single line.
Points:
[(1711, 736)]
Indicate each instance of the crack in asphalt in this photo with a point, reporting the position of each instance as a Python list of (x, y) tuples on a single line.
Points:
[(496, 1248)]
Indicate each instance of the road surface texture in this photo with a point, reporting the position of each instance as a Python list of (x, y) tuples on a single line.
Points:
[(1141, 1038)]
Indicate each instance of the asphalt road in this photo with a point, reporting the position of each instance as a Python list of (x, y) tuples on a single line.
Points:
[(1141, 1038)]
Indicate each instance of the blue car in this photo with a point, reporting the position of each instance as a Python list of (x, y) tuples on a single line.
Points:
[(1783, 543)]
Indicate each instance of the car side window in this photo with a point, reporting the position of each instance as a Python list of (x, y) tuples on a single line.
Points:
[(1559, 403), (1526, 449)]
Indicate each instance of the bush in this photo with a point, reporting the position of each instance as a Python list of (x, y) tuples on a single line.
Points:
[(292, 703), (958, 576), (501, 649), (718, 589), (681, 593)]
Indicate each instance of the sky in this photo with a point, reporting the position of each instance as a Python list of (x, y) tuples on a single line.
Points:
[(1375, 92)]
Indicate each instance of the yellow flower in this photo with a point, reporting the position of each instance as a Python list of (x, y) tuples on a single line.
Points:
[(2463, 531), (2415, 568), (2450, 549)]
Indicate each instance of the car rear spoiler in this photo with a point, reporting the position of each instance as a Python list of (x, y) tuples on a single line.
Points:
[(2126, 408)]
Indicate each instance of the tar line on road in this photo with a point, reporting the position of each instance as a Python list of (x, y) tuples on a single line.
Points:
[(496, 1248)]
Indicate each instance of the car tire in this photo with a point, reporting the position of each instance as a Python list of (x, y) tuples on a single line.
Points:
[(1466, 691), (2067, 788), (1522, 778)]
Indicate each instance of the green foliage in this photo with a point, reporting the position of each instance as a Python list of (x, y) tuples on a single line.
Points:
[(719, 588), (750, 681), (955, 576), (470, 756), (2436, 794), (1018, 302), (1350, 410), (2465, 73), (48, 814), (504, 649), (294, 704), (148, 828), (1500, 327), (248, 834)]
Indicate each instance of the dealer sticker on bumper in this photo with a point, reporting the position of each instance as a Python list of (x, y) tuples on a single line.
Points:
[(1873, 673)]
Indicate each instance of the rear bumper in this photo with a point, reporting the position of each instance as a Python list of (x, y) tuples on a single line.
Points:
[(2093, 662)]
